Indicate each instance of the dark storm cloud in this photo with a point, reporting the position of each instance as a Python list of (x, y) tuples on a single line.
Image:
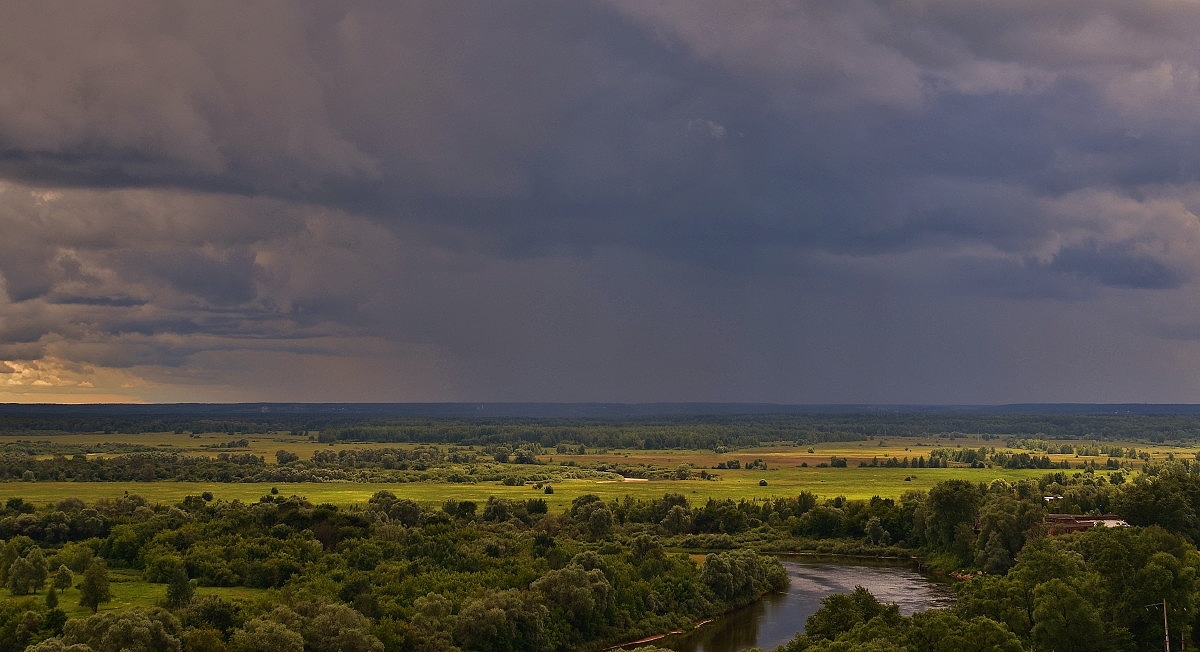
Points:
[(115, 302), (499, 195), (144, 92), (224, 279), (578, 124)]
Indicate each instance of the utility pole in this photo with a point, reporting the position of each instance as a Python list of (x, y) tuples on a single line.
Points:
[(1166, 631)]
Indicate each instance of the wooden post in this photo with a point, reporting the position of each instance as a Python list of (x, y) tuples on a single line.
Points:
[(1166, 632)]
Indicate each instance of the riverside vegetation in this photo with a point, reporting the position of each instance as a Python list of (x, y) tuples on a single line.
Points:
[(511, 535)]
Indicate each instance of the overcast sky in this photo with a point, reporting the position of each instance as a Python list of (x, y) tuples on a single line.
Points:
[(908, 201)]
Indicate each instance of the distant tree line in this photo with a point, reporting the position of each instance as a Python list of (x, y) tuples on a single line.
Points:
[(398, 465), (696, 432)]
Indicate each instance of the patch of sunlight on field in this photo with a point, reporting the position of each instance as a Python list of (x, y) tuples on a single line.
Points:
[(791, 469), (129, 590), (851, 482)]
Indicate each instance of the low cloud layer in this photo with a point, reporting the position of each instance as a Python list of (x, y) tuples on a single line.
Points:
[(615, 201)]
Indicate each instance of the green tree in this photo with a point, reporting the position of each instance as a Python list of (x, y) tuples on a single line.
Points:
[(63, 578), (858, 621), (211, 612), (20, 577), (1063, 620), (1162, 500), (995, 557), (263, 634), (502, 621), (203, 640), (74, 555), (677, 520), (940, 630), (339, 628), (949, 514), (600, 523), (56, 645), (739, 575), (179, 589), (38, 566), (584, 597), (823, 521), (9, 553), (1005, 524), (132, 630), (1005, 599), (875, 532), (841, 612), (430, 613), (94, 590)]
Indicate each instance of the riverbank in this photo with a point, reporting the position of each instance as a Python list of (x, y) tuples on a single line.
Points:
[(657, 637), (776, 618)]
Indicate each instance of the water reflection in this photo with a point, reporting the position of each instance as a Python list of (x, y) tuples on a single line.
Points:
[(775, 619)]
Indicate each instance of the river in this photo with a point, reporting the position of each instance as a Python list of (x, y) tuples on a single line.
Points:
[(778, 617)]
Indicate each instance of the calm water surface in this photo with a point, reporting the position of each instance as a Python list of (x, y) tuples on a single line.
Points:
[(777, 618)]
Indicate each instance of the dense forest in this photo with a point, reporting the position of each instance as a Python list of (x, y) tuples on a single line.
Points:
[(505, 575), (514, 574), (648, 432)]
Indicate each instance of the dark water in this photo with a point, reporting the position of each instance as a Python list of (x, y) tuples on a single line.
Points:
[(777, 618)]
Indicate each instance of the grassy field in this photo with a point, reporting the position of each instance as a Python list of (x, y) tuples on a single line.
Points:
[(851, 482), (129, 590), (791, 469)]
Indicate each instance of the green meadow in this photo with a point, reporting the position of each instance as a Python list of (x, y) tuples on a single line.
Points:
[(851, 482), (790, 470), (130, 590)]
